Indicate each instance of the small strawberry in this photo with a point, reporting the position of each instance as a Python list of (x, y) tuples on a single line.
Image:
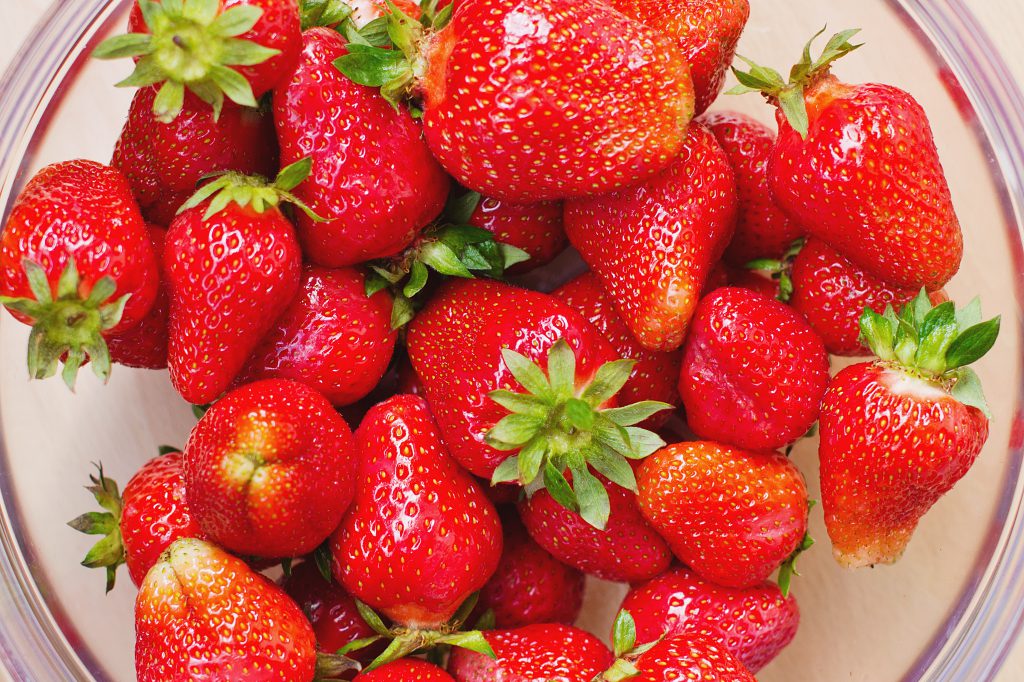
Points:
[(270, 469), (732, 516), (145, 345), (753, 371), (533, 228), (898, 433), (76, 264), (406, 670), (653, 245)]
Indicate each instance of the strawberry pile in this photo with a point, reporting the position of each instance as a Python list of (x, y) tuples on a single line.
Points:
[(310, 220)]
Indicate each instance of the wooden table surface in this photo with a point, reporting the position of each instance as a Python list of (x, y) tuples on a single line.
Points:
[(1003, 19)]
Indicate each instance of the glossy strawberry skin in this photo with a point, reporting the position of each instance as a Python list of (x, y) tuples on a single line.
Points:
[(455, 347), (654, 245), (270, 469), (145, 345), (416, 508), (754, 624), (202, 614), (753, 373), (891, 446), (762, 229), (85, 210), (406, 670), (229, 277), (533, 124), (732, 516), (373, 178), (332, 337), (893, 216), (690, 658), (553, 653), (537, 229)]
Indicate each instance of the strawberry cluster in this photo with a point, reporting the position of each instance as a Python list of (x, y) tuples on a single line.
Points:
[(309, 221)]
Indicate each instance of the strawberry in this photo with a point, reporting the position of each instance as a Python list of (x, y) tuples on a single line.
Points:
[(653, 245), (732, 516), (764, 283), (332, 337), (145, 345), (581, 100), (233, 265), (898, 433), (754, 624), (373, 176), (762, 229), (534, 228), (857, 167), (213, 49), (706, 31), (406, 670), (77, 265), (270, 469), (753, 371)]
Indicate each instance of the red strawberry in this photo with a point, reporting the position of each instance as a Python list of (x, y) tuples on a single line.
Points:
[(754, 624), (732, 516), (332, 337), (654, 245), (145, 344), (210, 48), (753, 371), (542, 100), (552, 653), (535, 228), (897, 434), (77, 265), (373, 177), (270, 469), (764, 283), (762, 229), (406, 670), (707, 32), (233, 266), (857, 167)]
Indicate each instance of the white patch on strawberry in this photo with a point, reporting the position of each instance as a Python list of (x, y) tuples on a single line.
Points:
[(903, 384)]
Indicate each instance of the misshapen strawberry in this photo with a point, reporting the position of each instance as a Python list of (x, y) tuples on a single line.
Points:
[(145, 345)]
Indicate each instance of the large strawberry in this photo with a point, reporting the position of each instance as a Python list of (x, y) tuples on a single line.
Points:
[(654, 244), (406, 670), (77, 265), (856, 165), (535, 228), (897, 434), (145, 344), (538, 100), (373, 178), (270, 469)]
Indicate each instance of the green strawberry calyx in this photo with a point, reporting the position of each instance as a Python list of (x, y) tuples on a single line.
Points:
[(780, 269), (254, 191), (109, 552), (193, 45), (935, 343), (323, 13), (788, 95), (556, 426), (788, 568), (331, 667), (626, 650)]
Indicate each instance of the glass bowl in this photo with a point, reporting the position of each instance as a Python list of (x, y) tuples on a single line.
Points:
[(948, 611)]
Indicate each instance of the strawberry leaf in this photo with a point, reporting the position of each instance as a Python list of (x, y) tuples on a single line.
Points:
[(372, 66), (591, 495), (556, 484), (973, 344), (968, 390)]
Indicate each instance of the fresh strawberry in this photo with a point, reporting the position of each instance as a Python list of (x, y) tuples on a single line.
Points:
[(406, 670), (753, 371), (145, 345), (332, 337), (707, 32), (732, 516), (373, 177), (535, 228), (509, 111), (857, 167), (233, 266), (548, 652), (270, 469), (762, 229), (897, 434), (77, 265), (764, 283), (238, 49), (754, 624), (654, 245)]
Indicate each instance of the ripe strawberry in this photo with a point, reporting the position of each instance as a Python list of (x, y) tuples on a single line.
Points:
[(77, 265), (857, 167), (897, 434), (732, 516), (210, 48), (373, 177), (332, 337), (707, 32), (270, 469), (532, 125), (764, 283), (233, 266), (406, 670), (762, 229), (535, 228), (753, 371), (145, 345), (654, 245), (754, 624)]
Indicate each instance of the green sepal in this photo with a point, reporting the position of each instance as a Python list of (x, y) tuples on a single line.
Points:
[(322, 558), (357, 644), (333, 667), (968, 391), (788, 568), (623, 633), (781, 269), (253, 191), (626, 650), (323, 13), (168, 450), (199, 411), (109, 552)]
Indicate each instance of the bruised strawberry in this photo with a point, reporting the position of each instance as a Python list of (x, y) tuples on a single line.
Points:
[(406, 670), (145, 345), (535, 228)]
